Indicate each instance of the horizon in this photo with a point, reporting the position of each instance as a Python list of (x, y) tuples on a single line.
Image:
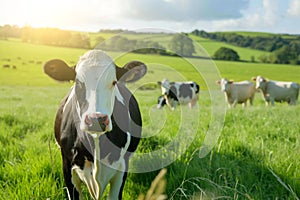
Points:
[(150, 30), (266, 16)]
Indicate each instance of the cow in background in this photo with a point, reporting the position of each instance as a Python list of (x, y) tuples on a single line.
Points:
[(178, 92), (278, 91), (237, 92)]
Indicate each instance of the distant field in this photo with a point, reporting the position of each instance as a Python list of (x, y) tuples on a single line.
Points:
[(252, 34), (255, 157), (29, 60), (211, 47)]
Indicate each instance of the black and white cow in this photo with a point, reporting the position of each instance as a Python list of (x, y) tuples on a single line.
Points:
[(98, 124), (178, 92)]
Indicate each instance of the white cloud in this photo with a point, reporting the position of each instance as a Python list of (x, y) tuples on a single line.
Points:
[(294, 8), (270, 11), (179, 15), (181, 10), (257, 17)]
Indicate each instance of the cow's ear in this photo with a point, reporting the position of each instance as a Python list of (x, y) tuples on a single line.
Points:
[(218, 82), (131, 72), (59, 70), (231, 81), (253, 78)]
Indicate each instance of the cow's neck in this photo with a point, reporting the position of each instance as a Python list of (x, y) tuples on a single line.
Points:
[(228, 93), (264, 89), (96, 187)]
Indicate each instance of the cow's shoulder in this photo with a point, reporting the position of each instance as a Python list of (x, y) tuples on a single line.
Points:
[(173, 92), (59, 117)]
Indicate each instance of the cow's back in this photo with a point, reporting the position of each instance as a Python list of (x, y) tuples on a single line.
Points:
[(282, 91), (242, 91)]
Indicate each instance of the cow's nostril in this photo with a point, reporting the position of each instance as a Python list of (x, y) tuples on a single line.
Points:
[(97, 122), (88, 120), (103, 119)]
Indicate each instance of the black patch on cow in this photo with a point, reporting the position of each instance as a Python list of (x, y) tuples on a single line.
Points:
[(193, 85), (185, 90), (173, 93), (80, 92)]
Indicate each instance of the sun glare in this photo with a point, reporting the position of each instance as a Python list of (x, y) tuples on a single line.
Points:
[(57, 13)]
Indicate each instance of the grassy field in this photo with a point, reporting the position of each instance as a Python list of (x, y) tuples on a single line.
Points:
[(255, 157)]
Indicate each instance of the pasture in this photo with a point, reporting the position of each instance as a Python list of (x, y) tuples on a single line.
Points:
[(255, 157)]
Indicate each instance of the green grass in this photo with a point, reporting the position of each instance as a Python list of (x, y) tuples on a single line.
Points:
[(255, 157), (244, 71)]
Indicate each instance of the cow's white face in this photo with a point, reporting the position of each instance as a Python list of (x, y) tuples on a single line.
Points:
[(165, 87), (95, 91), (260, 81), (224, 84)]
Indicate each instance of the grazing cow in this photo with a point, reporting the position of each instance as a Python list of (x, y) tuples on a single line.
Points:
[(237, 92), (98, 124), (277, 90), (179, 92)]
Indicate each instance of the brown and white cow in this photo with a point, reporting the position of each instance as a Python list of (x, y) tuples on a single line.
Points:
[(237, 92), (278, 91), (178, 92), (98, 123)]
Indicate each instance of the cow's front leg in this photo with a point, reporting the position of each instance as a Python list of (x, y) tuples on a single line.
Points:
[(67, 170), (251, 100), (116, 186), (77, 183), (174, 105), (87, 175), (234, 103), (272, 100)]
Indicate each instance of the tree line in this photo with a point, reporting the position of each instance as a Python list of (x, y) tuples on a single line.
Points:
[(63, 38), (283, 50), (120, 43), (46, 36), (180, 44)]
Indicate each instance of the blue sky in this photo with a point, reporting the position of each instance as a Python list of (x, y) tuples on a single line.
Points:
[(277, 16)]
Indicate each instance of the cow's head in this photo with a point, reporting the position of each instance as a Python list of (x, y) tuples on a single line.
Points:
[(165, 86), (96, 86), (161, 101), (225, 84), (260, 81)]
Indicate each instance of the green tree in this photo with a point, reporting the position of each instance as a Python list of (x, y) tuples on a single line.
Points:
[(224, 53), (182, 45)]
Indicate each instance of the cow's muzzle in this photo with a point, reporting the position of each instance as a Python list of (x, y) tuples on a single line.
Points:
[(96, 122)]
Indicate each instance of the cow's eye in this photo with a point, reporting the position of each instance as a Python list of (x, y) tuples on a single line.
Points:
[(114, 83)]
